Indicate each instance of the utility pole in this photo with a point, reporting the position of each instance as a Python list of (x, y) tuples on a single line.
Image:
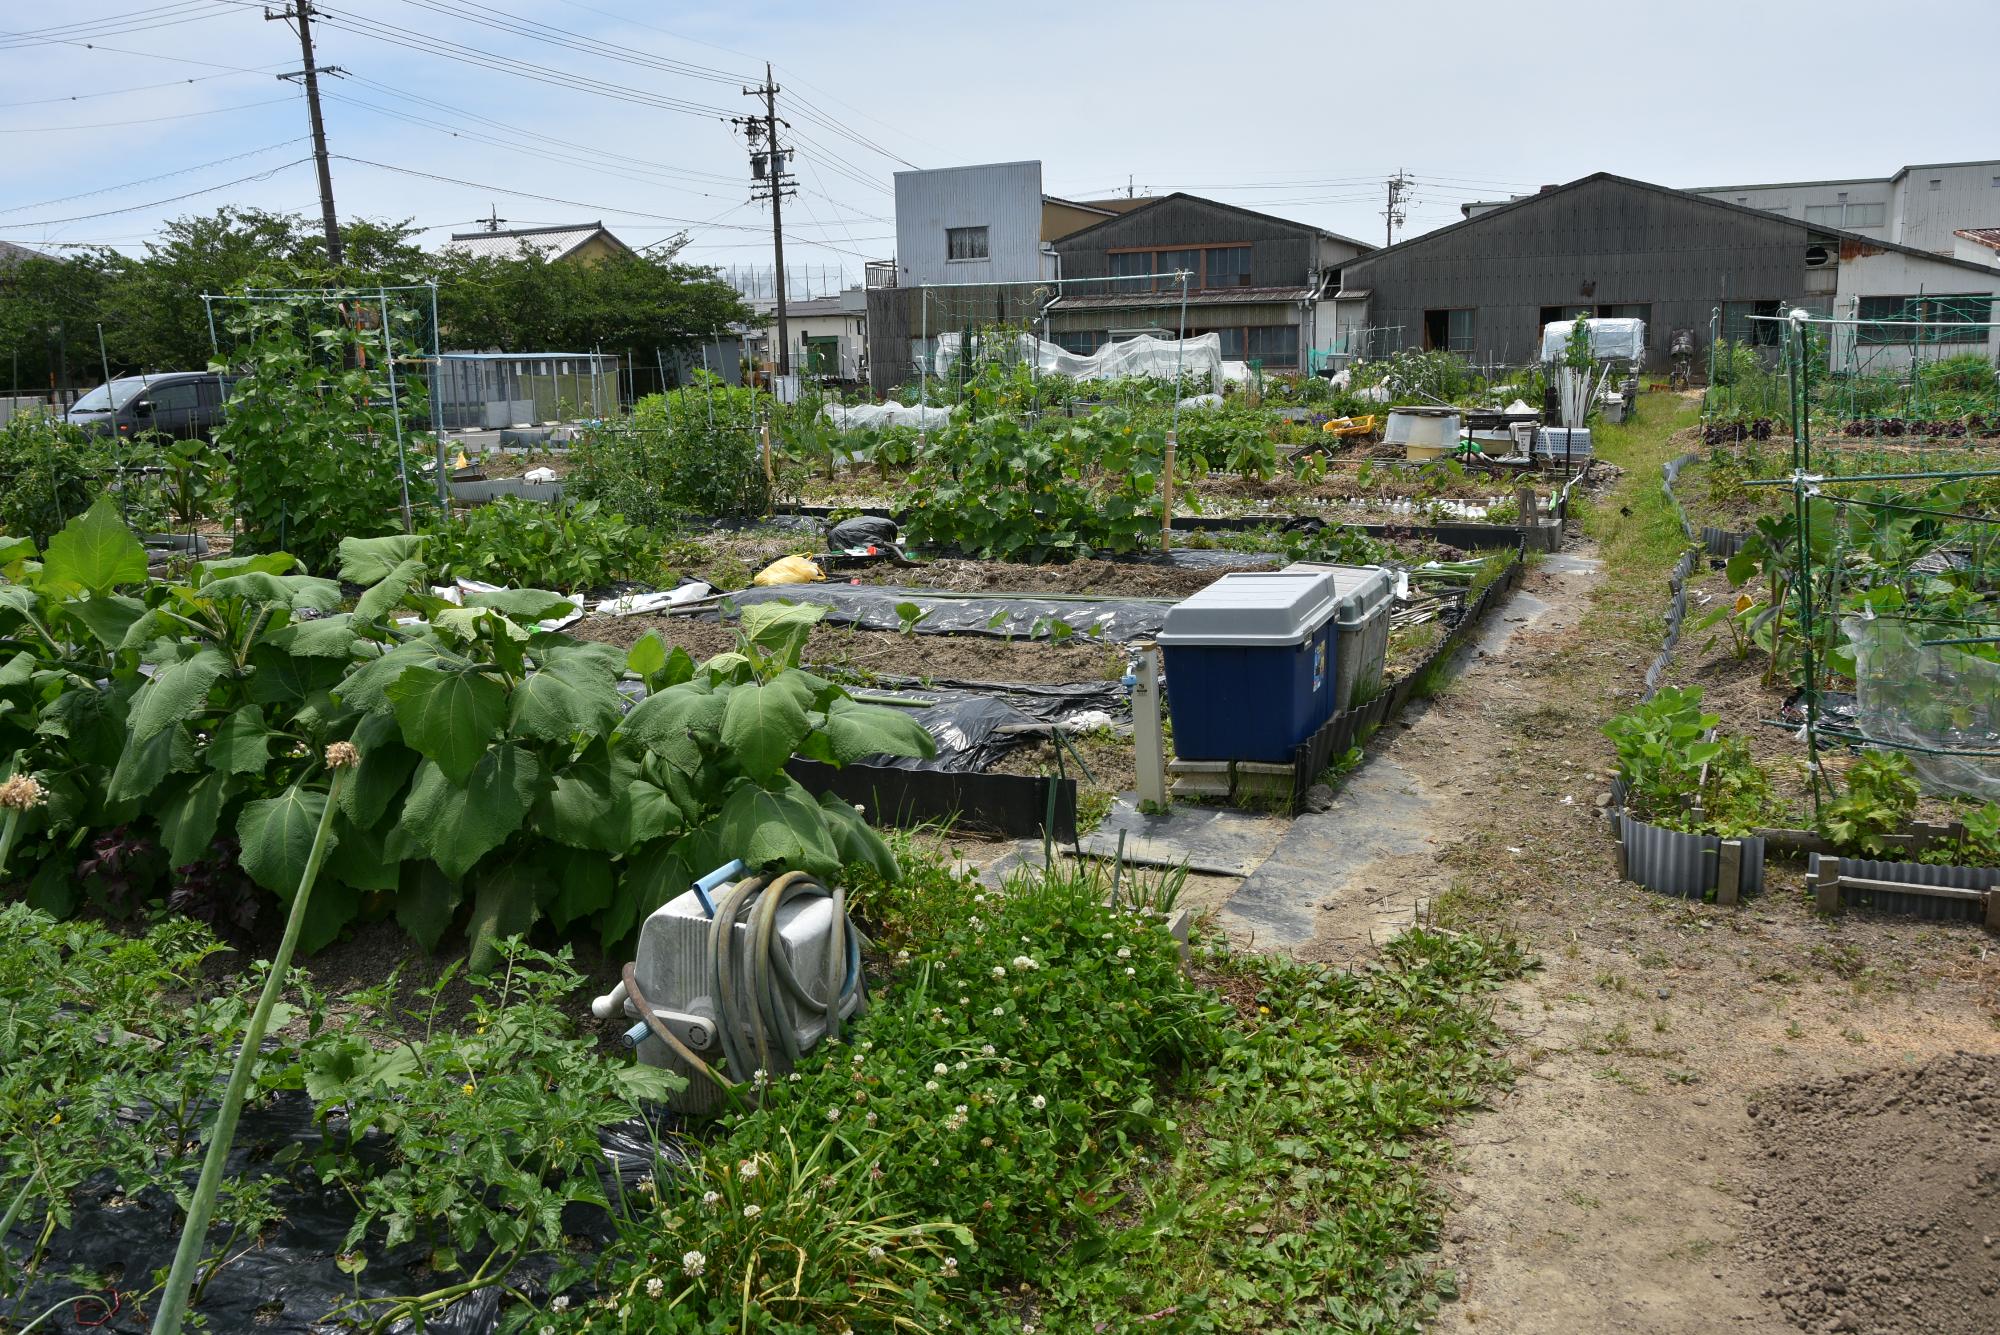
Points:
[(1392, 217), (769, 180), (302, 12)]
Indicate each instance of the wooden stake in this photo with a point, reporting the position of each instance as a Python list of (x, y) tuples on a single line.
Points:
[(1729, 872)]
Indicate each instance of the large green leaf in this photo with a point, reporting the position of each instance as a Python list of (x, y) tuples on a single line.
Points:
[(659, 872), (176, 691), (764, 724), (242, 745), (529, 605), (385, 765), (358, 860), (282, 678), (561, 699), (365, 688), (856, 841), (679, 724), (781, 628), (777, 827), (142, 764), (331, 908), (647, 656), (298, 592), (457, 825), (426, 902), (94, 551), (277, 837), (855, 732), (586, 889), (109, 618), (503, 905), (188, 818), (322, 637), (449, 716), (588, 805), (368, 560), (385, 594)]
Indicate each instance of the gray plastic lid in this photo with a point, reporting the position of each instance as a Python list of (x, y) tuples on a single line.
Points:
[(1358, 591), (1252, 608)]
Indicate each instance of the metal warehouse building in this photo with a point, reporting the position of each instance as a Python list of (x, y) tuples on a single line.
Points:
[(1609, 246)]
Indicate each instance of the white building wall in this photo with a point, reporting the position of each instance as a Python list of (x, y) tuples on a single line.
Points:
[(1005, 198), (1973, 252), (1864, 202), (1894, 274), (1934, 202)]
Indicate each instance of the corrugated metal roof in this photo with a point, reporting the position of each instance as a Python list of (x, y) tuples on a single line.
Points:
[(1985, 236), (1227, 296), (13, 254), (550, 243)]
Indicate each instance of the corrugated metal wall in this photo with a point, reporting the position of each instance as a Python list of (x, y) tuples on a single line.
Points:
[(1282, 254), (1600, 243)]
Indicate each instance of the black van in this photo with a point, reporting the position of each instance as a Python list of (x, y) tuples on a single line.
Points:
[(181, 404)]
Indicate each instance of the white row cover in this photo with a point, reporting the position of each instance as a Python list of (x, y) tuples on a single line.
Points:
[(1610, 340), (860, 416), (1143, 356)]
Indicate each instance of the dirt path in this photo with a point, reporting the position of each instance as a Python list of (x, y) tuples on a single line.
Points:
[(1623, 1184)]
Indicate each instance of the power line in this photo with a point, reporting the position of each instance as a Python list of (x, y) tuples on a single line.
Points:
[(562, 37), (113, 189), (13, 41), (126, 92), (136, 208), (149, 120)]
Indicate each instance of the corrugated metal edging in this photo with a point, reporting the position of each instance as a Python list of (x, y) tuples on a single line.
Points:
[(1667, 861), (1916, 873), (1722, 541)]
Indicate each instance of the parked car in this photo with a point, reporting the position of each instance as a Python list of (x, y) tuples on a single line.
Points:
[(181, 404)]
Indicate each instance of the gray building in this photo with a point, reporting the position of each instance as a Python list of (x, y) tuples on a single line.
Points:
[(1609, 246), (1257, 281)]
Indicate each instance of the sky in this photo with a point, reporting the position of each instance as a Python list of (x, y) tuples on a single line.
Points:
[(116, 115)]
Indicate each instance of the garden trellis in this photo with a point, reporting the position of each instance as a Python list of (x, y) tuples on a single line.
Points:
[(1890, 576)]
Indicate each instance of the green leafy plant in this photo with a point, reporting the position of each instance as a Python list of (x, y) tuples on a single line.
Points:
[(570, 545), (311, 430), (1881, 794), (693, 452), (1678, 776), (49, 474)]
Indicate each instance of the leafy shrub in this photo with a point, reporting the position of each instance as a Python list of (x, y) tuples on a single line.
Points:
[(568, 545), (311, 430), (1881, 793), (689, 453), (500, 780), (49, 473), (1662, 750)]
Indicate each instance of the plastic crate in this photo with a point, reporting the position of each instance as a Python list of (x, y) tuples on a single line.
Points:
[(1362, 599)]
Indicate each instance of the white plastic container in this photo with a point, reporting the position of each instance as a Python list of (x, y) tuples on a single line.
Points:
[(1362, 598)]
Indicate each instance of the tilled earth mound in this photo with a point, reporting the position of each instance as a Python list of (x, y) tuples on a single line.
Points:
[(1879, 1203)]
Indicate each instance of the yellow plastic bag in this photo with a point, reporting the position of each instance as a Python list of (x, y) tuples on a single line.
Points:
[(789, 570)]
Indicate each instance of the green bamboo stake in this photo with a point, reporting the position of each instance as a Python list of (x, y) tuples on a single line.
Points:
[(340, 757)]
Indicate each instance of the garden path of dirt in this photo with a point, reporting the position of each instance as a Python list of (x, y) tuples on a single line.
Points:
[(1622, 1183)]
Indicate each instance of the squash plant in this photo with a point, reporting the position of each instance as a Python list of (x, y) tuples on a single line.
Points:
[(500, 775)]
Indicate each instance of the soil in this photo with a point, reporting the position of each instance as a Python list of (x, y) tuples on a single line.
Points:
[(1111, 579), (864, 652), (1621, 1183), (1895, 1175)]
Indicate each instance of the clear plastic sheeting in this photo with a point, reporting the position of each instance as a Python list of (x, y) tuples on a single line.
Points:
[(1610, 340), (1163, 358), (1928, 698), (862, 416)]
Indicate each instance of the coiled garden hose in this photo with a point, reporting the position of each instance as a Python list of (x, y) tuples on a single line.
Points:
[(749, 994), (664, 1034)]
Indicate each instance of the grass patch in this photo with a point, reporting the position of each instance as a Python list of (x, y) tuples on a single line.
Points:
[(1638, 534)]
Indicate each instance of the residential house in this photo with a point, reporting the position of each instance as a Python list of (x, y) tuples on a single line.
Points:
[(829, 335), (1606, 245), (574, 243), (1258, 281)]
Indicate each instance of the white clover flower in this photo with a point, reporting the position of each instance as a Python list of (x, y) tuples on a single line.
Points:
[(710, 1199), (951, 1265), (656, 1288), (752, 1211), (548, 1330), (939, 1069), (975, 924), (1131, 972), (1124, 952), (1023, 964), (870, 1119), (999, 1010), (1038, 1103), (979, 899), (961, 1108), (986, 1050), (748, 1168), (867, 1045), (902, 957), (759, 1078), (930, 1084), (965, 1001), (833, 1114), (692, 1264), (856, 1060), (647, 1185), (793, 1077), (560, 1304), (962, 1065), (876, 1253), (999, 971)]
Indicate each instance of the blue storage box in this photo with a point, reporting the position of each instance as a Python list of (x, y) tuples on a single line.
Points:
[(1249, 664)]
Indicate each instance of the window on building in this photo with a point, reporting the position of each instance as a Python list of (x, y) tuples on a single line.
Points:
[(1226, 266), (1847, 216), (1562, 314), (1130, 264), (1083, 342), (1739, 324), (1631, 310), (1274, 345), (1937, 183), (1232, 343), (1448, 329), (1169, 263), (965, 243), (1942, 319)]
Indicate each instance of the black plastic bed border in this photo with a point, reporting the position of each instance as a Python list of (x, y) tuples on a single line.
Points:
[(1015, 805), (1350, 726)]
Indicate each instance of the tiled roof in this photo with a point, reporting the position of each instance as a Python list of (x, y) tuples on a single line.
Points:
[(550, 243)]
